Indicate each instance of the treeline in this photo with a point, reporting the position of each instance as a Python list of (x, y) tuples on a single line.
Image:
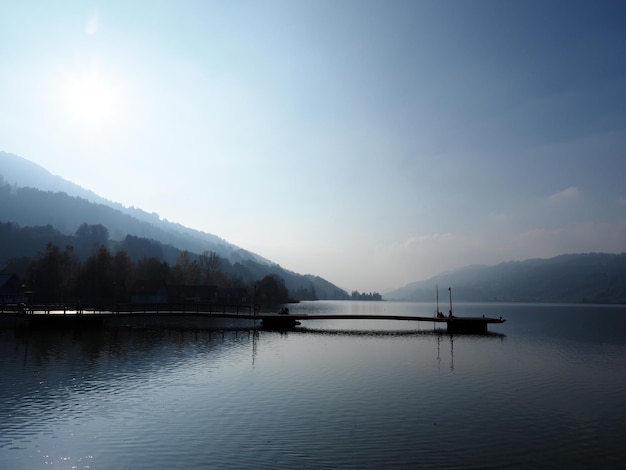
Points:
[(88, 267), (33, 207), (34, 217), (58, 276), (363, 296)]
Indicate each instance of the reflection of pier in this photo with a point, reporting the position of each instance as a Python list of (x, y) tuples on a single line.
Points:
[(206, 315)]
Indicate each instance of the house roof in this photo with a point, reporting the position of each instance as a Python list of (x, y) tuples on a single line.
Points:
[(9, 280)]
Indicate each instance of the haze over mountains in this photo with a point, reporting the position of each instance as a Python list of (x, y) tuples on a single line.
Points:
[(38, 198), (20, 172), (597, 278), (589, 278)]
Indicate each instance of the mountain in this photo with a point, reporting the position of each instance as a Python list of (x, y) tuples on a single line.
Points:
[(32, 196), (21, 173), (574, 278)]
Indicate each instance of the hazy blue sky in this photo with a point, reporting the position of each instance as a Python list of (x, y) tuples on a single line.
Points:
[(373, 143)]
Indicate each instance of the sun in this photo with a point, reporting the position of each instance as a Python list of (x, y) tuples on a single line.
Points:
[(91, 98)]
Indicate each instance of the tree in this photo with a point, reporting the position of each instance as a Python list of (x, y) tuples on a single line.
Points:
[(96, 280), (152, 269), (210, 265), (304, 293), (186, 270), (52, 276), (122, 274), (95, 234), (271, 290), (371, 296), (140, 248)]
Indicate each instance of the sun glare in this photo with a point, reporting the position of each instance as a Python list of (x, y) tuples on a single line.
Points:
[(91, 99)]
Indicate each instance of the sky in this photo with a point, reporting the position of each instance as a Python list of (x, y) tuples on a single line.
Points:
[(372, 143)]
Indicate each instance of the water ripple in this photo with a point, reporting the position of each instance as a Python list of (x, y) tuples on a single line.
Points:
[(323, 398)]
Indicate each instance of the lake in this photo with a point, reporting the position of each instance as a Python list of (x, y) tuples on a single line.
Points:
[(546, 389)]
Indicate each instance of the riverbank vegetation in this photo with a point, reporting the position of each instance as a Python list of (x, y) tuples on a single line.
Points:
[(89, 268)]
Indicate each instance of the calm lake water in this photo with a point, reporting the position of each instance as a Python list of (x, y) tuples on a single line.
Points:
[(547, 389)]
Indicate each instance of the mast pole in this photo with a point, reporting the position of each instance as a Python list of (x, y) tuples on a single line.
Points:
[(450, 290)]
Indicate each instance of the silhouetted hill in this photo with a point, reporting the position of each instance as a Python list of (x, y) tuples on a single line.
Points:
[(56, 211), (30, 196), (574, 278)]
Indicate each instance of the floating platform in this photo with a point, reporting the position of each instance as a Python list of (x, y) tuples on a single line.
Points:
[(466, 325), (472, 325), (279, 322)]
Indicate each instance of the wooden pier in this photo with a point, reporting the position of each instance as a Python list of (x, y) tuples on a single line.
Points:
[(47, 316)]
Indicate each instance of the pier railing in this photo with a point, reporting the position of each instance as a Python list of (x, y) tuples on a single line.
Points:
[(127, 308)]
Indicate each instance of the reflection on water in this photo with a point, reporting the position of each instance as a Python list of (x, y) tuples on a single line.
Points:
[(544, 389)]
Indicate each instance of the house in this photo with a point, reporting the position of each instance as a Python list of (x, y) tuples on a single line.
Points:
[(233, 296), (183, 294), (157, 292), (11, 290), (207, 294), (149, 292)]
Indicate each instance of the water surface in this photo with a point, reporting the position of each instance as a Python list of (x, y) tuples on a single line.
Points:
[(546, 389)]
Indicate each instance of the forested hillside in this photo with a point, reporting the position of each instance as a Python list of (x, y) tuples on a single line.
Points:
[(24, 250), (42, 198), (30, 219), (575, 278)]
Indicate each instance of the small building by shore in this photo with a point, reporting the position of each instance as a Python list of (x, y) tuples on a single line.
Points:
[(12, 290)]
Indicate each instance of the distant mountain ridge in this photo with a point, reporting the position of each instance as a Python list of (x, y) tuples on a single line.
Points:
[(32, 196), (53, 201), (20, 172), (573, 278)]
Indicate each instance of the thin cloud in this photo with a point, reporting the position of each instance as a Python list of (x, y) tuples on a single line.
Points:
[(420, 240), (498, 216), (93, 24), (568, 194), (581, 237)]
